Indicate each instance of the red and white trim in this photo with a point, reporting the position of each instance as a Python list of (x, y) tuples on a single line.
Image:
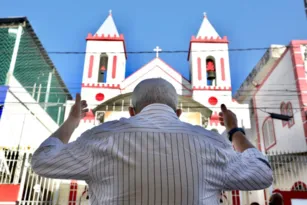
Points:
[(100, 85), (199, 70), (215, 88), (300, 78), (73, 192), (294, 193), (206, 40), (102, 37), (90, 66)]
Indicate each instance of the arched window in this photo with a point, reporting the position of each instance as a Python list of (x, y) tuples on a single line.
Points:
[(211, 71), (283, 111), (103, 67), (299, 186), (268, 132), (290, 113)]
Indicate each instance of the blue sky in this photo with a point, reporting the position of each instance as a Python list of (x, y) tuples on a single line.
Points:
[(63, 26)]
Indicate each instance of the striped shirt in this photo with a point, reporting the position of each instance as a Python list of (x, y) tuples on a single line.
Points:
[(153, 158)]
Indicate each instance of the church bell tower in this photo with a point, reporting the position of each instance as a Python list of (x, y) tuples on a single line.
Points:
[(105, 58), (104, 64), (210, 71), (209, 59)]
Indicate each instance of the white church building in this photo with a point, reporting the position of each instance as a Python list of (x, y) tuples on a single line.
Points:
[(108, 91)]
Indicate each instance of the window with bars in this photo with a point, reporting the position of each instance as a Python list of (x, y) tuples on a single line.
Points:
[(268, 133)]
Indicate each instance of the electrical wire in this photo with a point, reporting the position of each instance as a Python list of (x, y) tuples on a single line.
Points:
[(163, 51)]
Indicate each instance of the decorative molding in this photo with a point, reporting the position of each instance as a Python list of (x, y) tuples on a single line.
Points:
[(114, 67), (90, 68), (103, 37), (215, 88), (199, 70), (212, 100), (223, 69), (100, 85), (207, 39), (89, 116), (99, 96)]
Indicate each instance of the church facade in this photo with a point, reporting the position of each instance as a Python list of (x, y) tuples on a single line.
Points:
[(108, 91)]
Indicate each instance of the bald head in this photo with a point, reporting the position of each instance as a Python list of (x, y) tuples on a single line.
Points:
[(154, 90), (276, 199)]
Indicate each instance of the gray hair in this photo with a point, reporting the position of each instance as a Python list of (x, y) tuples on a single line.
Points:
[(154, 90)]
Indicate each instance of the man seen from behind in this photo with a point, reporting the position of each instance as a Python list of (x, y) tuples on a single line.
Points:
[(153, 157)]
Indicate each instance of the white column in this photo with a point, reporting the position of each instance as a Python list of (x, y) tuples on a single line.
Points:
[(33, 91), (39, 92), (14, 55), (59, 115), (48, 90)]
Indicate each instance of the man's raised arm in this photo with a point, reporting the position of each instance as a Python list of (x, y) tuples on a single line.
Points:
[(57, 159), (248, 169)]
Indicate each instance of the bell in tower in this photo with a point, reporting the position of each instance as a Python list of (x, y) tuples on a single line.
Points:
[(210, 65), (103, 67)]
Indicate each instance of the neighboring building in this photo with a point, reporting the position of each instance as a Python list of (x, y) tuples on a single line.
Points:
[(278, 84), (32, 92), (32, 98)]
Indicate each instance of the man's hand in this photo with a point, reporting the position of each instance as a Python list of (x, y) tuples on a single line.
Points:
[(228, 118), (78, 111)]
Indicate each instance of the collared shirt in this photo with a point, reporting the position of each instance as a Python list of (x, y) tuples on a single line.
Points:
[(153, 158)]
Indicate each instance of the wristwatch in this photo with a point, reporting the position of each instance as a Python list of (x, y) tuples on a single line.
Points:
[(233, 130)]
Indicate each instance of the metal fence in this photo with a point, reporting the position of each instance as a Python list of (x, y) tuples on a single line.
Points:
[(289, 169)]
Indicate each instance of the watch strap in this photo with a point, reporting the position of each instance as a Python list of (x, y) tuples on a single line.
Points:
[(233, 130)]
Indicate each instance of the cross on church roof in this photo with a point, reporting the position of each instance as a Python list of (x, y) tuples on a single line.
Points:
[(157, 50), (110, 12)]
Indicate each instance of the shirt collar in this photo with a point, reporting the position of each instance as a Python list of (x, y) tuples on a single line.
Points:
[(158, 109)]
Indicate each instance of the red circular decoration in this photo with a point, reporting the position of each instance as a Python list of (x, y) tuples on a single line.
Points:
[(212, 100), (99, 97)]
